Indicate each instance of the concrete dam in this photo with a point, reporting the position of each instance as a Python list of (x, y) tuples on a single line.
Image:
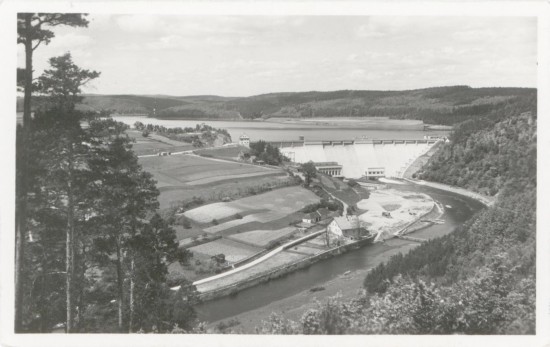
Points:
[(357, 157)]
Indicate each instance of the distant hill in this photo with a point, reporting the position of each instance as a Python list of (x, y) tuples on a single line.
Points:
[(439, 105)]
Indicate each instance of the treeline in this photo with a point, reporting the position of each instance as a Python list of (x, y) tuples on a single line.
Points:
[(491, 301), (199, 135), (93, 228), (91, 252), (486, 154), (441, 105), (480, 279), (266, 152)]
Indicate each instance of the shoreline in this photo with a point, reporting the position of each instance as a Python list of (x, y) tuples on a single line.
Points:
[(366, 123), (380, 231), (485, 200)]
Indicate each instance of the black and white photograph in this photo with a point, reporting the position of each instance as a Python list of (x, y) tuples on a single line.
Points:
[(249, 172)]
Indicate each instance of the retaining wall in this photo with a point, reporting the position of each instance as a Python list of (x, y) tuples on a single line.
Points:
[(278, 272)]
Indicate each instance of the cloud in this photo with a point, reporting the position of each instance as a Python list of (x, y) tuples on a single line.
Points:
[(140, 23), (70, 40)]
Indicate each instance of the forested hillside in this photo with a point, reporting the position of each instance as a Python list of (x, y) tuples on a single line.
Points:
[(486, 154), (440, 105), (480, 279)]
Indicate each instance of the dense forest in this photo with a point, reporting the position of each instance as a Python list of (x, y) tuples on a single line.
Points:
[(439, 105), (480, 279), (92, 253)]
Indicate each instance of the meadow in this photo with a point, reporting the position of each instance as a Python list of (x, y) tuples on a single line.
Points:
[(277, 203)]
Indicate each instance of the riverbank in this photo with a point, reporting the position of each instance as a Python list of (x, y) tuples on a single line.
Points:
[(485, 200), (347, 286), (384, 213)]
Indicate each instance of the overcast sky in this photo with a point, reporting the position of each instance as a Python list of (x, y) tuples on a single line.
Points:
[(248, 55)]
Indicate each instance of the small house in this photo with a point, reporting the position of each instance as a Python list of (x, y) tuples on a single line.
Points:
[(347, 227), (312, 217)]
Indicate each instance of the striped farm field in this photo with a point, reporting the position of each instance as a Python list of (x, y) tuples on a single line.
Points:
[(233, 251), (277, 204), (174, 170), (263, 237)]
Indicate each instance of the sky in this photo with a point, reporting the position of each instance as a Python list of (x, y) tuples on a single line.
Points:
[(250, 55)]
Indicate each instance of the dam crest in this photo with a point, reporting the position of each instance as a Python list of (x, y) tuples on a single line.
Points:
[(358, 157)]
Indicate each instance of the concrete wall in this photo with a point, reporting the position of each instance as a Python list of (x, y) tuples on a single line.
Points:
[(394, 156)]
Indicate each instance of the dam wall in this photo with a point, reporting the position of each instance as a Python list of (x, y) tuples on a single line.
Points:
[(359, 155)]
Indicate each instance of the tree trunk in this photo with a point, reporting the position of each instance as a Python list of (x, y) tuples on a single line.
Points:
[(119, 285), (70, 243), (132, 284), (21, 196)]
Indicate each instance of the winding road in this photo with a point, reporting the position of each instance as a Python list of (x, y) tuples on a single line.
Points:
[(257, 261)]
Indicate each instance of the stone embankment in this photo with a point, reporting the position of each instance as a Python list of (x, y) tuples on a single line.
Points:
[(280, 271)]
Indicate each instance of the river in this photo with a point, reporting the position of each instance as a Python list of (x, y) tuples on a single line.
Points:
[(461, 210), (328, 269), (318, 129)]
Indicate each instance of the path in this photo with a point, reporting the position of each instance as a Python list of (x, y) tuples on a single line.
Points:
[(257, 261), (485, 200), (345, 211)]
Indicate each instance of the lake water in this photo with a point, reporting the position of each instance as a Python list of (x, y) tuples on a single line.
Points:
[(311, 130), (364, 258)]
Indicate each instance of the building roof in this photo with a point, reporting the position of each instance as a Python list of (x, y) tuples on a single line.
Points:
[(304, 225), (244, 136)]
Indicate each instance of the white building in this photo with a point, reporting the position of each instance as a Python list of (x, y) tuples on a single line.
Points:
[(348, 227), (375, 172), (312, 217), (244, 140)]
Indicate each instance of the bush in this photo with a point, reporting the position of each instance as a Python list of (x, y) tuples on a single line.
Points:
[(352, 183), (238, 216), (215, 221), (145, 133)]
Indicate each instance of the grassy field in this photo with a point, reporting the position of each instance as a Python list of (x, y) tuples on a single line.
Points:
[(223, 152), (343, 191), (155, 144), (231, 188), (233, 251), (188, 168), (277, 203), (262, 238)]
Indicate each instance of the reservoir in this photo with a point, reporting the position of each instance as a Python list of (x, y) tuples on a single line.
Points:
[(364, 258), (312, 129)]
